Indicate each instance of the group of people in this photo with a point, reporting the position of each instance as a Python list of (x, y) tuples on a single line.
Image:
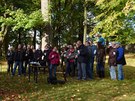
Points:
[(78, 59)]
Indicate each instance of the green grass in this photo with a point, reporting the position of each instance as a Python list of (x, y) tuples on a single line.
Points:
[(19, 89)]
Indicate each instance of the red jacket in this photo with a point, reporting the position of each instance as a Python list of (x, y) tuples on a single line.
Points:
[(54, 57)]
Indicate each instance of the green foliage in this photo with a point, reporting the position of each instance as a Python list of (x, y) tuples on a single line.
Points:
[(35, 20), (113, 20), (67, 19)]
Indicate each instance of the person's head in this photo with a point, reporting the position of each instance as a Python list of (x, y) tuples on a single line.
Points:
[(70, 46), (39, 47), (79, 43), (19, 46), (28, 46), (24, 47), (98, 35), (91, 42), (99, 45), (32, 47), (55, 49), (46, 47), (117, 44), (113, 44), (87, 43), (11, 48)]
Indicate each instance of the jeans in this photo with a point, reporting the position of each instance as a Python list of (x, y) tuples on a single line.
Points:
[(89, 70), (68, 69), (120, 71), (52, 70), (81, 71), (100, 70), (113, 72), (19, 64)]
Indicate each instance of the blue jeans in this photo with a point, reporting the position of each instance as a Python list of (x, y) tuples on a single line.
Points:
[(52, 70), (120, 71), (89, 70), (113, 72), (81, 71), (19, 64)]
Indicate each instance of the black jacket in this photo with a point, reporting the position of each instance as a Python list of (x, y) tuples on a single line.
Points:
[(28, 55), (10, 56), (83, 54), (18, 55)]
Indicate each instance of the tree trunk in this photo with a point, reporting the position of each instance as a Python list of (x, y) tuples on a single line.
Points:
[(19, 37), (34, 39), (45, 12), (3, 31)]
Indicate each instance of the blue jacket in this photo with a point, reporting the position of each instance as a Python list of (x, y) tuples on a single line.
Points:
[(120, 56)]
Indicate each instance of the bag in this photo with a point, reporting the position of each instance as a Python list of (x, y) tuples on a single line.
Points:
[(51, 80), (54, 80)]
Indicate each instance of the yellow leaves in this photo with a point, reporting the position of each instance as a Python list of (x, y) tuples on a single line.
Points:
[(130, 5), (99, 2)]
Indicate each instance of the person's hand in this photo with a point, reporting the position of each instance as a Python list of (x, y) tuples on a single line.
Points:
[(76, 56), (78, 51), (52, 56)]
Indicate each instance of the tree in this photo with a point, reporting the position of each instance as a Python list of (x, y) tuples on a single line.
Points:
[(112, 18)]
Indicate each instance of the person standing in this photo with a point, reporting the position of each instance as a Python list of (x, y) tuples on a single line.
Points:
[(112, 60), (10, 59), (54, 58), (100, 58), (18, 58), (27, 58), (89, 62), (70, 56), (46, 53), (94, 51), (38, 54), (120, 61), (82, 59)]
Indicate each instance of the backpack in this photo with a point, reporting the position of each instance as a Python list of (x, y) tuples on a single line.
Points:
[(51, 80)]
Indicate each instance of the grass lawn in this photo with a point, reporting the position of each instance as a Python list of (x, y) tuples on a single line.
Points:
[(19, 89)]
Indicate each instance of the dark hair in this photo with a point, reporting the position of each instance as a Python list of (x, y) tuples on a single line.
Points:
[(100, 46)]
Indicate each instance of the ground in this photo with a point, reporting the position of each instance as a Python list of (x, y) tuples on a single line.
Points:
[(19, 89)]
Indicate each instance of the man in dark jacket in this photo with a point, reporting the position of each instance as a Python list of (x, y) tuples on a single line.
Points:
[(82, 60), (18, 57), (89, 68), (28, 57), (38, 54), (10, 59), (120, 61), (46, 53)]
